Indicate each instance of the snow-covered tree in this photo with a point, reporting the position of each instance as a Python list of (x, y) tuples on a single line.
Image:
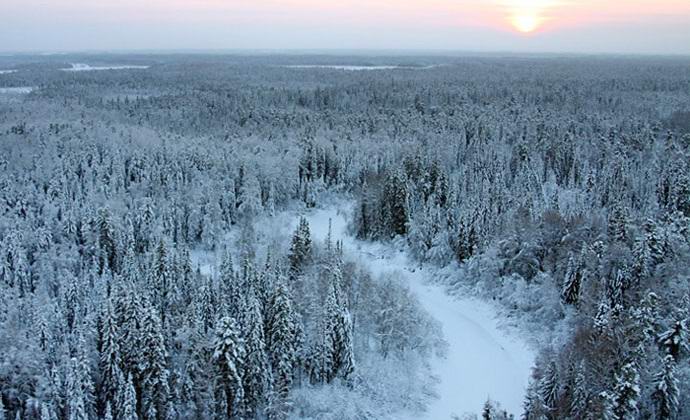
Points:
[(228, 357), (665, 393)]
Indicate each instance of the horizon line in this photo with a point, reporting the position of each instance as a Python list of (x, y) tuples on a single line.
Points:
[(335, 51)]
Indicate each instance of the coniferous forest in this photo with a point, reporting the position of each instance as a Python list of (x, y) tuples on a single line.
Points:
[(158, 259)]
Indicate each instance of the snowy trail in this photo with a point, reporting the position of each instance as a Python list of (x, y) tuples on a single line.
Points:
[(481, 361)]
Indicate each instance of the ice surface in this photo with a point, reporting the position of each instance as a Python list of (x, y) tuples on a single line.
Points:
[(86, 67)]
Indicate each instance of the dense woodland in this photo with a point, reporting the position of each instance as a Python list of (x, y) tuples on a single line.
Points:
[(557, 187)]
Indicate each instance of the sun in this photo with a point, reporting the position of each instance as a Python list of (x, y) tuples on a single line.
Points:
[(527, 16), (526, 23)]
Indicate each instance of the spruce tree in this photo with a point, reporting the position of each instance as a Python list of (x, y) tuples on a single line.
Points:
[(228, 357), (665, 395), (674, 340), (282, 342), (395, 195), (108, 413), (617, 225), (548, 389), (579, 405), (300, 249), (623, 402), (573, 281), (76, 400), (127, 409), (160, 280), (106, 241), (257, 372), (152, 367), (110, 360)]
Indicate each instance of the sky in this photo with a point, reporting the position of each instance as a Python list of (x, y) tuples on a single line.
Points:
[(570, 26)]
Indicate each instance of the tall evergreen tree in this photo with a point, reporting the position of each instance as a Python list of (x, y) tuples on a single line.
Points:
[(110, 361), (106, 241), (127, 409), (152, 367), (580, 403), (549, 389), (623, 403), (228, 357), (301, 248), (573, 280), (395, 196), (257, 373), (665, 393), (282, 346)]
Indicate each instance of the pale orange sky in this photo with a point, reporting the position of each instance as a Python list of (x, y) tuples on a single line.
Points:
[(624, 26)]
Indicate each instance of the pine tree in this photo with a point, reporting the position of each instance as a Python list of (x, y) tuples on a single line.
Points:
[(301, 249), (228, 278), (152, 367), (79, 381), (257, 373), (579, 405), (128, 309), (681, 194), (649, 250), (616, 286), (617, 226), (533, 408), (249, 198), (623, 402), (674, 340), (573, 281), (548, 389), (106, 241), (109, 357), (127, 409), (395, 195), (160, 280), (228, 357), (196, 389), (332, 356), (75, 393), (108, 413), (665, 395), (282, 342), (47, 412)]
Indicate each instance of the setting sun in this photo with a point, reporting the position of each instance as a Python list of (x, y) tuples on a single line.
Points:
[(526, 23), (527, 15)]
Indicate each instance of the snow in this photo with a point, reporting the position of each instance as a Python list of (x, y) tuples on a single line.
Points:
[(86, 67), (481, 361), (17, 90), (353, 68), (7, 71)]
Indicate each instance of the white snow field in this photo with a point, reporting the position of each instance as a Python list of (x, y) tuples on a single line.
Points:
[(22, 90), (86, 67), (482, 361), (7, 71), (356, 68)]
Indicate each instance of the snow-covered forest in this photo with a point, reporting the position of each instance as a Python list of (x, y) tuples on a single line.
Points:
[(159, 256)]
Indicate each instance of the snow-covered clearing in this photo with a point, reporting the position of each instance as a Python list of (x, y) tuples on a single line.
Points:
[(22, 90), (7, 71), (355, 68), (482, 361), (86, 67)]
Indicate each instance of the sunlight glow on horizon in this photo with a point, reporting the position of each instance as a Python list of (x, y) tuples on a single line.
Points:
[(493, 24), (526, 23)]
